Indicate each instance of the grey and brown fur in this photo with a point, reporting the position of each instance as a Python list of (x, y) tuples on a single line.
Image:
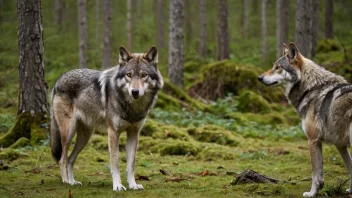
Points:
[(117, 99), (323, 100)]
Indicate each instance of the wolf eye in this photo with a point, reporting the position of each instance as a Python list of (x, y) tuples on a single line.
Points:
[(277, 67), (129, 75), (144, 75)]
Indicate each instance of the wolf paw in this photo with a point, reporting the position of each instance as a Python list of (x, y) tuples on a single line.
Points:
[(119, 187), (309, 194), (136, 187), (76, 183)]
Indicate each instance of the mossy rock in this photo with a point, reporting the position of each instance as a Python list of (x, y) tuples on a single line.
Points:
[(162, 131), (9, 154), (176, 147), (220, 78), (274, 118), (20, 143), (214, 152), (213, 134), (248, 101)]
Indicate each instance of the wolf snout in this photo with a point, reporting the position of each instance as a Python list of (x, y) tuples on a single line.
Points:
[(260, 78), (135, 93)]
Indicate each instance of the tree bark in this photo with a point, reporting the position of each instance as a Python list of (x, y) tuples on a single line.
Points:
[(107, 49), (245, 18), (203, 28), (129, 24), (82, 28), (223, 39), (282, 10), (160, 17), (59, 7), (175, 67), (33, 108), (303, 21), (264, 31), (314, 26), (329, 19)]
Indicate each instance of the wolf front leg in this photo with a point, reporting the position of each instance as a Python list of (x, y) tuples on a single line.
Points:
[(131, 149), (316, 158), (113, 140), (345, 154)]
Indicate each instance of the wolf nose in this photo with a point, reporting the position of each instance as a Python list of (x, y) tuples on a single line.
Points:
[(135, 92), (260, 78)]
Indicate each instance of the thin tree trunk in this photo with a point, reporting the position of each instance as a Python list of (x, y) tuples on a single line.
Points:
[(82, 28), (188, 22), (222, 31), (59, 7), (97, 22), (329, 19), (245, 17), (314, 26), (282, 9), (129, 24), (175, 67), (107, 50), (203, 29), (303, 21), (264, 31), (160, 16)]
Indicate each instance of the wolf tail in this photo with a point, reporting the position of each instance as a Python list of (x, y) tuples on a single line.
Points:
[(55, 138)]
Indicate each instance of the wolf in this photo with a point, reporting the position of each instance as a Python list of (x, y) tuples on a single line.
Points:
[(323, 100), (117, 99)]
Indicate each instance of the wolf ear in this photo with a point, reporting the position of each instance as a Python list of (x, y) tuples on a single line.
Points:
[(125, 55), (152, 56), (292, 51), (284, 49)]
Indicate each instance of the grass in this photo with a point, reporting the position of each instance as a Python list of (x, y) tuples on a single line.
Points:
[(34, 173)]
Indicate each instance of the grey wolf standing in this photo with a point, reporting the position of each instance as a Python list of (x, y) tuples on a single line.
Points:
[(118, 99), (324, 102)]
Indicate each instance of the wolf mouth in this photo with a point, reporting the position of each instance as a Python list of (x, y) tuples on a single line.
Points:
[(271, 84)]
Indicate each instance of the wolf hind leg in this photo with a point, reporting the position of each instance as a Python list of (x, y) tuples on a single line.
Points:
[(345, 154), (83, 135)]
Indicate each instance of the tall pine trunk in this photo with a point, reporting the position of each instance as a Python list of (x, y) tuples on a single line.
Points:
[(33, 108), (160, 17), (303, 22), (282, 9), (202, 28), (129, 24), (82, 28), (107, 49), (223, 38), (264, 31), (329, 19), (176, 39)]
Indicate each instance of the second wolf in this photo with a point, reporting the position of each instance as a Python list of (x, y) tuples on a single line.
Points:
[(118, 99), (324, 102)]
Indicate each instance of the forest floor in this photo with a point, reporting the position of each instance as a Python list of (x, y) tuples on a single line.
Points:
[(33, 173)]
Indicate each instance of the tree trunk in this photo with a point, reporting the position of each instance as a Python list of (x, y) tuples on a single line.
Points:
[(245, 18), (329, 19), (314, 26), (59, 7), (303, 21), (32, 105), (264, 31), (82, 28), (129, 24), (97, 22), (107, 50), (282, 9), (175, 67), (188, 21), (160, 17), (222, 31), (203, 29)]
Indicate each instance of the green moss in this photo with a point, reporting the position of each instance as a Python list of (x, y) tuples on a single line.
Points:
[(22, 142), (9, 154), (213, 134), (213, 152), (248, 101), (161, 131), (327, 45), (273, 118), (177, 147)]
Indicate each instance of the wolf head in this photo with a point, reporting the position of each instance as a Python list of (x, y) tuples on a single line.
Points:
[(286, 70), (138, 73)]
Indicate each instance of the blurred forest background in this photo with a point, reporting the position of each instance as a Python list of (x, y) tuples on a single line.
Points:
[(212, 119)]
